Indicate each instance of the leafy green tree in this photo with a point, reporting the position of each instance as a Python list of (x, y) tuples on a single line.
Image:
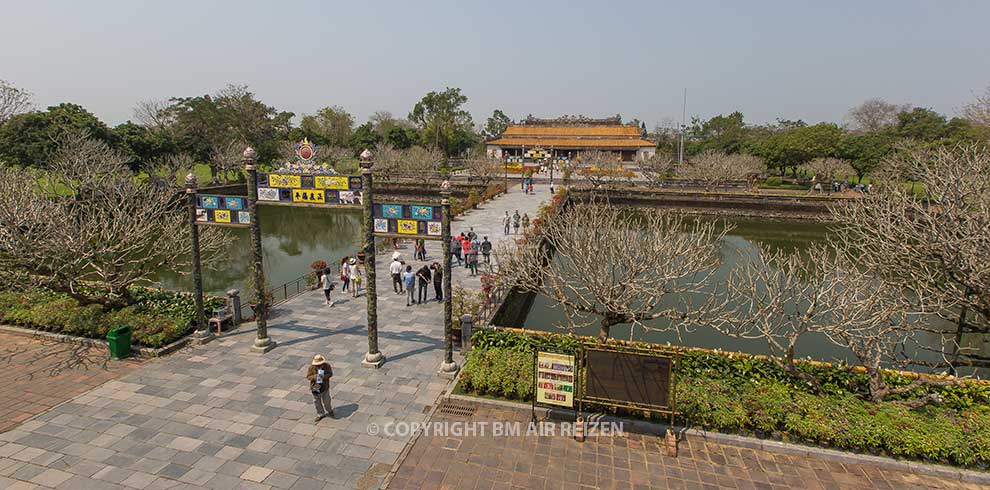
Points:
[(921, 124), (401, 138), (364, 137), (496, 124), (797, 145), (29, 139), (140, 144), (331, 126), (443, 122), (865, 151), (724, 134)]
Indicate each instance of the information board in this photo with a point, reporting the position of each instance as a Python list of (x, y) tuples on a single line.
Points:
[(408, 220), (628, 378), (308, 189), (555, 379), (222, 210)]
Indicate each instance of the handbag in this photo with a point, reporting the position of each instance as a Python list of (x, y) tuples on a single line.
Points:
[(343, 277)]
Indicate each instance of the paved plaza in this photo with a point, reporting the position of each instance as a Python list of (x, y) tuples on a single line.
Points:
[(221, 417), (627, 462)]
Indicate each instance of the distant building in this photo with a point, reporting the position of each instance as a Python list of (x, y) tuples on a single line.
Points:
[(567, 136)]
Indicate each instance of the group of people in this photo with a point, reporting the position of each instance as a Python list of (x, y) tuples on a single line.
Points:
[(404, 280), (515, 221), (466, 247), (350, 274)]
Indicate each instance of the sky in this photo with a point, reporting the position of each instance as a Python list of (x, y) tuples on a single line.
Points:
[(795, 59)]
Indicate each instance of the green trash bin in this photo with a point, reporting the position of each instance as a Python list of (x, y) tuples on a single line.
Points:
[(120, 342)]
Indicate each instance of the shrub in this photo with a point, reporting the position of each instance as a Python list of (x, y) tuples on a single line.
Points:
[(499, 372)]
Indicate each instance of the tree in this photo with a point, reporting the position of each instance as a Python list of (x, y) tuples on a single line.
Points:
[(921, 124), (443, 122), (329, 126), (714, 169), (364, 137), (875, 115), (828, 169), (140, 144), (421, 164), (13, 101), (401, 138), (87, 228), (720, 133), (933, 247), (977, 113), (612, 267), (29, 139), (657, 168), (602, 169), (496, 124), (226, 159), (865, 151), (483, 167)]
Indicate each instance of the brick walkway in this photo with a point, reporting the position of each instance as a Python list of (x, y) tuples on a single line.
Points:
[(630, 462), (40, 373), (220, 417)]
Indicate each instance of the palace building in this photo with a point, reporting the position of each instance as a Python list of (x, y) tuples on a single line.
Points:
[(566, 136)]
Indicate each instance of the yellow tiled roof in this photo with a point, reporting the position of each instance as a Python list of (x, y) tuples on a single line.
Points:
[(572, 131), (547, 142)]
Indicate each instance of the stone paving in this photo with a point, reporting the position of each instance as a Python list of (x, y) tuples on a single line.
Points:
[(221, 417), (632, 461), (41, 373)]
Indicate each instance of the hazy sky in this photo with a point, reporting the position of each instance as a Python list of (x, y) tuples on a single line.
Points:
[(794, 59)]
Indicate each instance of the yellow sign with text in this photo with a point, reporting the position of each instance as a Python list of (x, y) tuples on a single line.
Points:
[(406, 226), (334, 182), (221, 215), (555, 379), (309, 196), (287, 181)]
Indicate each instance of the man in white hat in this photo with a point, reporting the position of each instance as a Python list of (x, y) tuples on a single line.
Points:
[(319, 375)]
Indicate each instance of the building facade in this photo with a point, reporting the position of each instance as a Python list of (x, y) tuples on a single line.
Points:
[(566, 136)]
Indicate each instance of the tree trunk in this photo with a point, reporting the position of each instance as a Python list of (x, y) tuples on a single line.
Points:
[(878, 388), (603, 331)]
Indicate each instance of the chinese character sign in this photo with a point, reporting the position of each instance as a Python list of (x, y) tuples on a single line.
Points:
[(224, 210), (555, 379), (286, 188), (413, 220)]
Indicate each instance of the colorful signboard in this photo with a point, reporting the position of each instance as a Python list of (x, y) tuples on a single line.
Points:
[(311, 189), (408, 220), (555, 379), (222, 210)]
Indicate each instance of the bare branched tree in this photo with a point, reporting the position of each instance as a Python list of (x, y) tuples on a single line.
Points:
[(154, 114), (978, 111), (612, 267), (483, 168), (875, 114), (13, 101), (387, 162), (226, 158), (165, 171), (602, 169), (421, 165), (88, 228), (714, 169), (657, 169), (827, 170), (935, 246)]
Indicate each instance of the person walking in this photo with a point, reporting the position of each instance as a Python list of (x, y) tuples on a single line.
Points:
[(395, 269), (486, 250), (420, 249), (410, 281), (326, 281), (465, 247), (437, 281), (423, 276), (525, 223), (515, 222), (472, 260), (455, 249), (506, 222), (345, 274), (354, 273), (319, 375), (471, 234)]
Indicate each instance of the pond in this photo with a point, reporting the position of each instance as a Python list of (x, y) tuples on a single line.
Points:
[(292, 238), (749, 236)]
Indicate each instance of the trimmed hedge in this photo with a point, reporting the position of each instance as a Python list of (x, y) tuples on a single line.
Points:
[(750, 395), (157, 317)]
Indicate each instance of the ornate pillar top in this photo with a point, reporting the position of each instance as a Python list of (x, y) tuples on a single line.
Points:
[(190, 183)]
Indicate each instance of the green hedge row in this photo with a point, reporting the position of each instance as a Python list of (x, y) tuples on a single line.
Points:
[(157, 317), (749, 395)]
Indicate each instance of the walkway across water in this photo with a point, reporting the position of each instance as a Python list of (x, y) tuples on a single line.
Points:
[(221, 417)]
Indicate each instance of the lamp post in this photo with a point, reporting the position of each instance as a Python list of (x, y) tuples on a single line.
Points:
[(202, 334), (262, 343), (448, 368), (373, 358)]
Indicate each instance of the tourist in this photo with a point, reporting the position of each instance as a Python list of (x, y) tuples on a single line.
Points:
[(420, 249), (486, 250), (455, 249), (437, 281), (345, 275), (410, 281), (515, 222), (506, 221), (319, 375), (327, 282), (525, 223), (423, 276), (395, 269), (355, 275), (471, 234), (471, 256), (465, 248)]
